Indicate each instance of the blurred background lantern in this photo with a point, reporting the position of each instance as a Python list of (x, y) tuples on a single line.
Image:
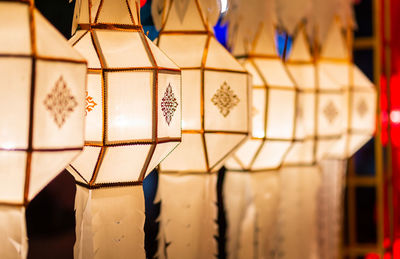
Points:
[(359, 102), (42, 91), (273, 124), (320, 112), (214, 123), (133, 122)]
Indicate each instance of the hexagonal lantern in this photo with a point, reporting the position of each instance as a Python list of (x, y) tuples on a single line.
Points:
[(358, 94), (42, 102), (133, 101), (319, 108), (133, 122), (214, 91), (273, 111), (42, 95)]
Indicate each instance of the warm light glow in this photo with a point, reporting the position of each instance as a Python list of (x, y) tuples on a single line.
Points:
[(395, 116)]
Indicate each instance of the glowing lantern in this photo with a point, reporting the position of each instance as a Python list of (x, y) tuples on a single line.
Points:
[(42, 91), (358, 95), (319, 108), (253, 167), (214, 123), (133, 122)]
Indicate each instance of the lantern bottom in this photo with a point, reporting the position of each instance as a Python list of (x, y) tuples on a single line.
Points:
[(110, 222), (188, 216)]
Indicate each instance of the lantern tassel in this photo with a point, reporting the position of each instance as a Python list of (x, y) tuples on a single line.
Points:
[(13, 237), (188, 216), (251, 201), (109, 223), (330, 200)]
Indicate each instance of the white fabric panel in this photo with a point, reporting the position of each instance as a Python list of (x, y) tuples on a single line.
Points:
[(109, 223), (188, 214)]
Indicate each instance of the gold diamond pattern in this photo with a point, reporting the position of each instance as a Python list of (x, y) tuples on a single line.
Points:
[(330, 112), (362, 108), (225, 99), (59, 102)]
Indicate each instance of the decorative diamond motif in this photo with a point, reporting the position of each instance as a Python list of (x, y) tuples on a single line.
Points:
[(168, 104), (60, 102), (330, 112), (90, 103), (362, 108), (225, 99)]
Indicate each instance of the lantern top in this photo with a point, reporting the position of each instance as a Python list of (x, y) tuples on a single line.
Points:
[(107, 13), (195, 16)]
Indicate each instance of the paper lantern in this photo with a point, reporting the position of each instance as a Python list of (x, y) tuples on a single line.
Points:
[(320, 108), (358, 96), (214, 89), (273, 108), (133, 122), (214, 122), (42, 91), (273, 127)]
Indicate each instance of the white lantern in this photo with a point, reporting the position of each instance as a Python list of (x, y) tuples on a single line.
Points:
[(215, 99), (42, 93), (358, 96), (133, 122), (319, 108)]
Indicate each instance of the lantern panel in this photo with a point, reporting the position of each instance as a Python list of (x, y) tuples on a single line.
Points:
[(85, 164), (257, 80), (129, 106), (307, 112), (122, 50), (301, 153), (280, 119), (330, 115), (114, 11), (161, 151), (14, 102), (83, 43), (122, 163), (94, 108), (191, 99), (274, 72), (247, 152), (217, 144), (160, 58), (14, 18), (271, 154), (340, 72), (59, 105), (225, 101), (192, 149), (169, 110), (363, 108), (303, 74), (176, 44), (56, 49), (44, 166), (220, 58), (12, 175), (191, 19), (258, 112)]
